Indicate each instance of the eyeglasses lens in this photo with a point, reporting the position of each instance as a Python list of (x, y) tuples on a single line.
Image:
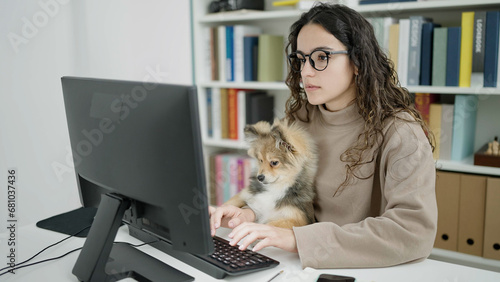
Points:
[(318, 60)]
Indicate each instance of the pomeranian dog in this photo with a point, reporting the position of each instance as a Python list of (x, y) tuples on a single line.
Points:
[(281, 191)]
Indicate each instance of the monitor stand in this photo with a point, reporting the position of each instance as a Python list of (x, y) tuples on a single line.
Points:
[(102, 260), (75, 223)]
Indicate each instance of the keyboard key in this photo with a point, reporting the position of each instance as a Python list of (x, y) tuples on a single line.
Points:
[(235, 261)]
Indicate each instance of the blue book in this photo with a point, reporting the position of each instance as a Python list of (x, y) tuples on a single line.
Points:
[(229, 53), (464, 127), (491, 48), (250, 47), (426, 53), (210, 131), (453, 56)]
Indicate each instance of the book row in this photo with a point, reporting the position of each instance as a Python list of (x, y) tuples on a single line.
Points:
[(229, 174), (468, 219), (452, 121), (425, 53), (229, 110), (243, 53)]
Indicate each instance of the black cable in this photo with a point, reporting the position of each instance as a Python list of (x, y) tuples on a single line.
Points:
[(44, 249), (35, 263), (20, 265), (137, 246)]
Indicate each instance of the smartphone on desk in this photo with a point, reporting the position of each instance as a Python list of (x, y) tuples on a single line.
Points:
[(335, 278)]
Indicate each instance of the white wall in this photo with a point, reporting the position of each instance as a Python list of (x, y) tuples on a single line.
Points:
[(40, 41), (127, 39)]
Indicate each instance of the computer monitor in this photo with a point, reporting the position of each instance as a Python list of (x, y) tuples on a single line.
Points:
[(138, 157)]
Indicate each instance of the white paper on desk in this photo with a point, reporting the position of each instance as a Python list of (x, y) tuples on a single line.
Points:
[(297, 275)]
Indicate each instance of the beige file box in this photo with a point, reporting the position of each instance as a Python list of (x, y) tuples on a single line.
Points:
[(492, 219), (471, 214), (448, 197)]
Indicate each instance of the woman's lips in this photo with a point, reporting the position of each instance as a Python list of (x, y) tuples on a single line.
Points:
[(311, 87)]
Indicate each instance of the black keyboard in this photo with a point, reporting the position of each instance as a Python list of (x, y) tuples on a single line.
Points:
[(234, 261), (225, 260)]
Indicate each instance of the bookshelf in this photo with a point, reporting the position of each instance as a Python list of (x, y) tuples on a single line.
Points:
[(277, 20)]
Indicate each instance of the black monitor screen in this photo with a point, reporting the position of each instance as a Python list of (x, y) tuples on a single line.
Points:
[(141, 142)]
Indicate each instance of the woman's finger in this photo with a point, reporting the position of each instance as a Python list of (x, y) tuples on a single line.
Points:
[(215, 219), (234, 222), (239, 232), (262, 244), (268, 235), (250, 238)]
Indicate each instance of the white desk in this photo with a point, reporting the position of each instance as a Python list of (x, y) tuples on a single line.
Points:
[(31, 239)]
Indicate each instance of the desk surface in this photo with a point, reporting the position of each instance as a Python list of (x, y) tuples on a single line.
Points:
[(31, 240)]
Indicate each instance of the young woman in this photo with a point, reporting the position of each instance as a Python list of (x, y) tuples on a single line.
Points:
[(376, 203)]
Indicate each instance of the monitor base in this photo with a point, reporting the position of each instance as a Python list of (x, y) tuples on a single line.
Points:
[(102, 260)]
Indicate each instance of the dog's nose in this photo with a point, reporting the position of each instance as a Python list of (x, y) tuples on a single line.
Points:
[(261, 177)]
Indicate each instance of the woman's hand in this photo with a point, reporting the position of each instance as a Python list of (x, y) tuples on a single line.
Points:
[(268, 235), (228, 216)]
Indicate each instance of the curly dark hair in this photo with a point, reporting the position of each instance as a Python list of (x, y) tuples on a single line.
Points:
[(379, 93)]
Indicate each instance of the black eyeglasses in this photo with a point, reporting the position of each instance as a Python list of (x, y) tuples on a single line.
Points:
[(318, 59)]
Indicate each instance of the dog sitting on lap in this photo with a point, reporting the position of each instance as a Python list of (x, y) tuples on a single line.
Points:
[(281, 191)]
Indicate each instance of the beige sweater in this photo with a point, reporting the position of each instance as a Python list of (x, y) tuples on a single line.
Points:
[(387, 219)]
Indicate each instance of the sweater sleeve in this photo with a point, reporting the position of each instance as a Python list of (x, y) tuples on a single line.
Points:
[(406, 228)]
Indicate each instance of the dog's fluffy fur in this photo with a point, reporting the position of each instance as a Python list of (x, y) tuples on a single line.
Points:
[(281, 191)]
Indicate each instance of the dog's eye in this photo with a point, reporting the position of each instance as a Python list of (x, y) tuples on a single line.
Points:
[(274, 163)]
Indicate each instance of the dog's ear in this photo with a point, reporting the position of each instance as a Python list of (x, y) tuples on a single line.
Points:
[(251, 133), (277, 134), (255, 131)]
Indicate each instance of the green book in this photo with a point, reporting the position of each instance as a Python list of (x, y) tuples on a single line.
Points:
[(439, 56), (271, 55)]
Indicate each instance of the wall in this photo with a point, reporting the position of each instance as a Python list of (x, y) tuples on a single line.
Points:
[(128, 39), (41, 41)]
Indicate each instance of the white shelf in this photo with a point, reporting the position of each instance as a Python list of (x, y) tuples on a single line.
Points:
[(465, 259), (467, 166), (454, 90), (386, 8), (246, 85), (412, 89), (426, 5), (226, 143), (249, 15)]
